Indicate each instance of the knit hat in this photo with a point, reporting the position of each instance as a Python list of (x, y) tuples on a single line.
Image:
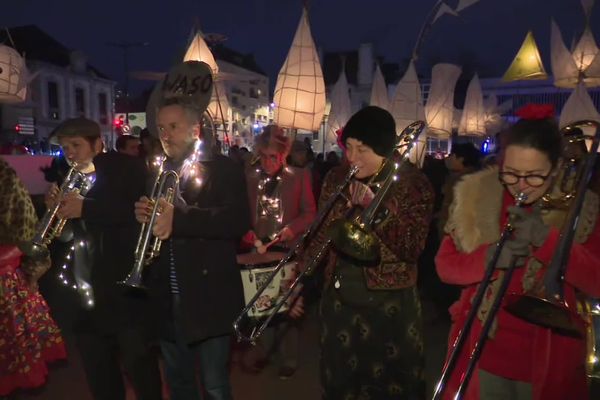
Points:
[(373, 126), (80, 126)]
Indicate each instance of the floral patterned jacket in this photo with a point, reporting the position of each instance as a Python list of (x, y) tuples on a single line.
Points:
[(401, 224)]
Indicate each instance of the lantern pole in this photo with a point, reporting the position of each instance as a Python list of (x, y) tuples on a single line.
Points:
[(125, 46)]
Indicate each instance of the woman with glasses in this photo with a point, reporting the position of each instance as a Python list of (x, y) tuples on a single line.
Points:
[(520, 360)]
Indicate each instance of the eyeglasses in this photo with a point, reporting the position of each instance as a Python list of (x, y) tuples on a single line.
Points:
[(510, 178)]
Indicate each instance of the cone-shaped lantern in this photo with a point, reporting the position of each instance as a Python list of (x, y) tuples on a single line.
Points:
[(582, 65), (472, 121), (439, 109), (199, 51), (341, 110), (219, 98), (527, 63), (494, 122), (407, 107), (300, 90), (13, 76), (379, 93), (579, 107)]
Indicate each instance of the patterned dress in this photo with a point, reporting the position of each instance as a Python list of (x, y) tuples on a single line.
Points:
[(29, 337), (371, 329)]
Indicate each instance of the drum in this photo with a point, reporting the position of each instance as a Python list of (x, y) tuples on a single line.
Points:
[(256, 270)]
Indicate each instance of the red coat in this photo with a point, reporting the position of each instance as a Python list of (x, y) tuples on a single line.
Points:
[(554, 364)]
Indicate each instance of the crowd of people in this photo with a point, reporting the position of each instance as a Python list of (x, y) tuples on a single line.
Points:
[(436, 230)]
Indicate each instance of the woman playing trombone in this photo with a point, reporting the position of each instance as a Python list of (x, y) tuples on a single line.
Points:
[(520, 360), (371, 333)]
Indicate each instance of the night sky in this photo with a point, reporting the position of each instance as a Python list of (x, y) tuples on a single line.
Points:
[(484, 37)]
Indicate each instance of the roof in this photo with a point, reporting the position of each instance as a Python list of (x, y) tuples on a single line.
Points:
[(35, 44), (246, 61)]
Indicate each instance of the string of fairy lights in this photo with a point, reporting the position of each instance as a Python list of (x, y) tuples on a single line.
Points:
[(189, 170)]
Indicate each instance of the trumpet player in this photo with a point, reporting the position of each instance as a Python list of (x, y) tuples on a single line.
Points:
[(195, 281), (110, 326), (520, 360), (371, 336)]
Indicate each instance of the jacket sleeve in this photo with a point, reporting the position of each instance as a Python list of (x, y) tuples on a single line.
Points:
[(308, 209), (119, 184), (458, 268), (229, 219), (583, 270), (405, 230)]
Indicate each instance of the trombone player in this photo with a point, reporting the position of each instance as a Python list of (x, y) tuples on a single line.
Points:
[(520, 360), (371, 336), (195, 280)]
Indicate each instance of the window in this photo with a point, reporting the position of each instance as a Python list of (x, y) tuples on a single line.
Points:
[(79, 102), (53, 103), (234, 100), (103, 108), (254, 93)]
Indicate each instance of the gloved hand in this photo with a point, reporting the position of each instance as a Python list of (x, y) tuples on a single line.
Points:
[(512, 248), (528, 226)]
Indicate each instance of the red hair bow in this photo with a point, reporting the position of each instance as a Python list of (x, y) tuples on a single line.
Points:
[(340, 143), (536, 111)]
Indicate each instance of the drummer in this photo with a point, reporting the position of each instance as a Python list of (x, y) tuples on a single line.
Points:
[(282, 207)]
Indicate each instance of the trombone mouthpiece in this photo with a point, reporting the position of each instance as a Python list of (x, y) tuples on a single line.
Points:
[(521, 198)]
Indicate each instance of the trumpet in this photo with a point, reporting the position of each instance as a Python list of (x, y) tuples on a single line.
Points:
[(148, 246), (50, 226), (405, 142)]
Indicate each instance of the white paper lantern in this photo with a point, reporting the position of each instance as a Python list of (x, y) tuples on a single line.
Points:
[(581, 65), (340, 111), (13, 76), (379, 93), (407, 107), (439, 109), (300, 90), (472, 121), (199, 51)]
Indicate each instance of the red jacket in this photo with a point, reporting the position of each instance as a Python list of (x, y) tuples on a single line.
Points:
[(554, 364)]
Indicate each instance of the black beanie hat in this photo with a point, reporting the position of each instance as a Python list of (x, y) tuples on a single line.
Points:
[(373, 126)]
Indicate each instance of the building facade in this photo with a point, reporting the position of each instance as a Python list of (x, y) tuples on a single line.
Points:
[(62, 86)]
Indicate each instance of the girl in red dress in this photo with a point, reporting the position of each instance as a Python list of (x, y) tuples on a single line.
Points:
[(29, 338)]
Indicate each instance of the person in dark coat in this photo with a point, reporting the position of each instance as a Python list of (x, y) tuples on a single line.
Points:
[(196, 282), (111, 322)]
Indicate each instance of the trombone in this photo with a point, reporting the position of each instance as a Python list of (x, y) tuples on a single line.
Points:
[(148, 246), (50, 226), (405, 142), (548, 310)]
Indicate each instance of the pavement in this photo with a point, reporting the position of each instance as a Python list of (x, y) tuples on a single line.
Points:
[(66, 380)]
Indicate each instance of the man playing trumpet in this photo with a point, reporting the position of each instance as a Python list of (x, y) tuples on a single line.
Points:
[(195, 280)]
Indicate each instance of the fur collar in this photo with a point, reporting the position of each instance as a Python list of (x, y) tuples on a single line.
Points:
[(475, 212)]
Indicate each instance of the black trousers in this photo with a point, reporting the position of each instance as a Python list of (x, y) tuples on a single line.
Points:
[(105, 356)]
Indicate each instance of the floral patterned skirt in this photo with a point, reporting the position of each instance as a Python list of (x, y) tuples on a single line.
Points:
[(29, 338), (372, 350)]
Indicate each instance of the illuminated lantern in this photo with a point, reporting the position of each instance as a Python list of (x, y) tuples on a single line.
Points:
[(439, 109), (527, 64), (198, 51), (583, 64), (13, 76), (579, 107), (341, 110), (379, 94), (472, 121), (407, 107), (300, 90)]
